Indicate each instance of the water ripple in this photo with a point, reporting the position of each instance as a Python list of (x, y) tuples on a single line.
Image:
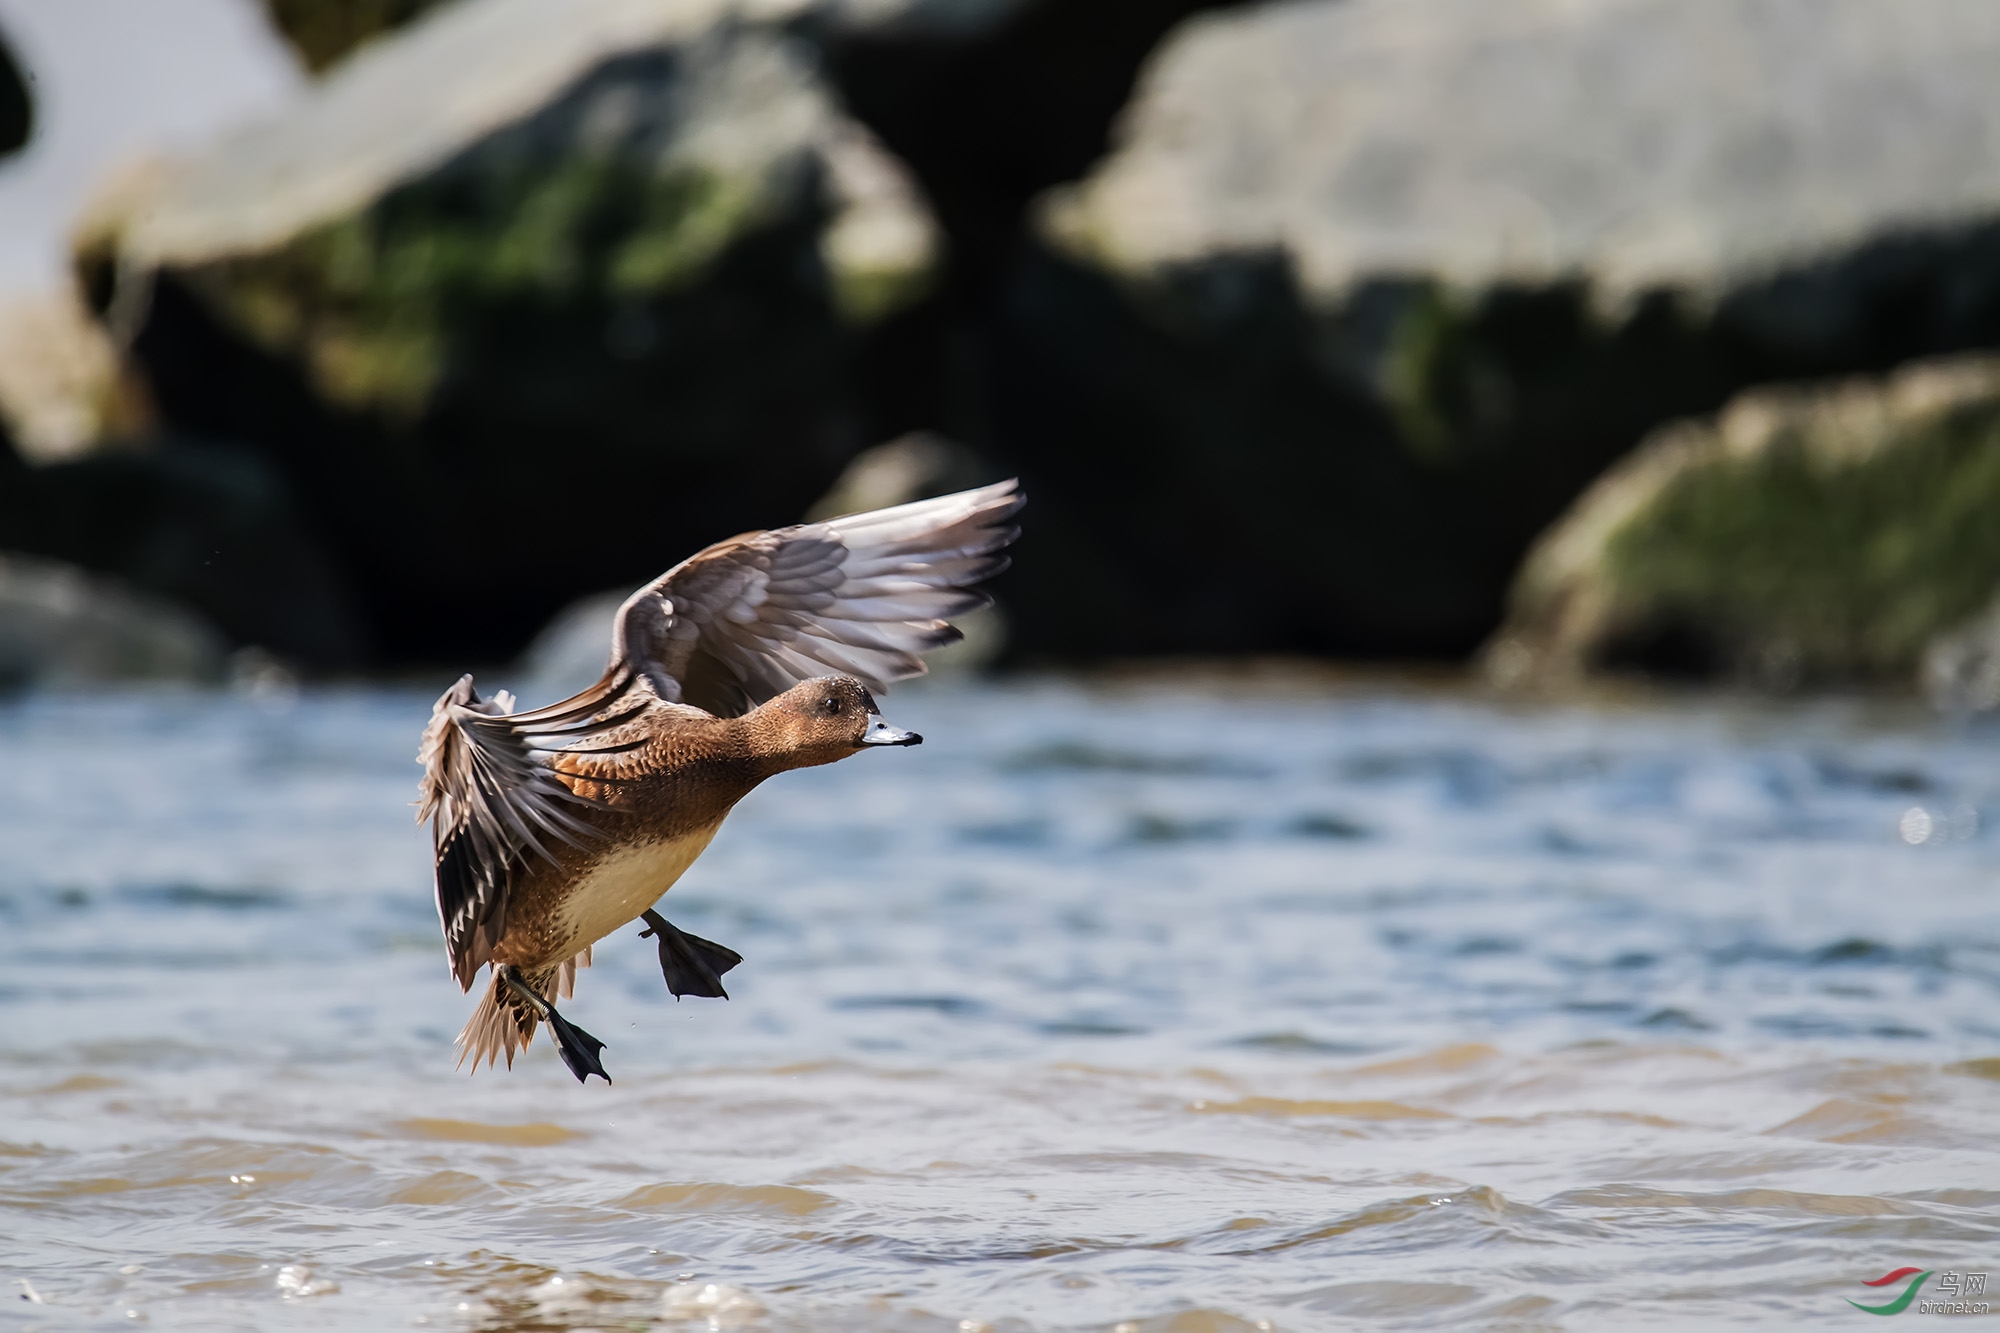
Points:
[(1361, 1011)]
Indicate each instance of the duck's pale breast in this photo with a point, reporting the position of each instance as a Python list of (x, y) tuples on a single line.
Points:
[(624, 883)]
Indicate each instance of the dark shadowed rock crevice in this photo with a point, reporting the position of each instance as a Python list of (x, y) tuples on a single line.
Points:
[(985, 123), (989, 123), (17, 103), (467, 526), (205, 524), (1212, 447)]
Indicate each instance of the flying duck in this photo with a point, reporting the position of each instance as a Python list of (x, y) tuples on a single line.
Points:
[(555, 827)]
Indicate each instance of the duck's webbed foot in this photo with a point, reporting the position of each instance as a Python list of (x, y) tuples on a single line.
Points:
[(578, 1048), (691, 964)]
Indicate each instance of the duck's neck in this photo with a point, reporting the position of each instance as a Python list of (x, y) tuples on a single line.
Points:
[(770, 746)]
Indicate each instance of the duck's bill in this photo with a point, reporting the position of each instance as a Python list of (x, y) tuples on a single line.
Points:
[(881, 733)]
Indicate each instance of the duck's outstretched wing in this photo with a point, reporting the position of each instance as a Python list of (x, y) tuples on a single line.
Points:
[(494, 801), (744, 620), (866, 596)]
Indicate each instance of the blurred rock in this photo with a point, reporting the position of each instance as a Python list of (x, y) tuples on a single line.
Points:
[(910, 467), (522, 261), (571, 651), (1370, 290), (1639, 144), (989, 103), (530, 150), (1805, 534), (729, 402), (264, 676), (917, 466), (116, 82), (64, 389), (1961, 667), (196, 523), (61, 626)]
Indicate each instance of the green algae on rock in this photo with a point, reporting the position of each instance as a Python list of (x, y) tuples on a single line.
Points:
[(1816, 532), (370, 304), (624, 187)]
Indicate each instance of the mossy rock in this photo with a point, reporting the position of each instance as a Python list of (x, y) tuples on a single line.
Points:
[(518, 262), (1815, 533), (1354, 481), (621, 192), (374, 305)]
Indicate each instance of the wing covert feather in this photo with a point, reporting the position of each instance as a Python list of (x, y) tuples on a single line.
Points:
[(865, 595)]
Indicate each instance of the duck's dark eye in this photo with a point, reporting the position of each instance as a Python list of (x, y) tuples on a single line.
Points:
[(831, 705)]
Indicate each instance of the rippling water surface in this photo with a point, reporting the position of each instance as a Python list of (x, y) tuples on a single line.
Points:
[(1150, 1008)]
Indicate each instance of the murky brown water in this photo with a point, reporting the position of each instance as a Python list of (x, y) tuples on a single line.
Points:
[(1106, 1008)]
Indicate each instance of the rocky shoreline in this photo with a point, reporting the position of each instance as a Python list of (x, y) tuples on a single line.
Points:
[(1303, 323)]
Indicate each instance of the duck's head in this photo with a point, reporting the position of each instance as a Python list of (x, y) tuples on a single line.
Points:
[(819, 721)]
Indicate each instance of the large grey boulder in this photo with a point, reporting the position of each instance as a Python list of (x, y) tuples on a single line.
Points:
[(918, 466), (1838, 532), (1637, 144), (1386, 282), (1961, 666), (569, 653), (520, 257)]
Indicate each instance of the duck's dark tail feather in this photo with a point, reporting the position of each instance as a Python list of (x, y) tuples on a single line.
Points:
[(503, 1024)]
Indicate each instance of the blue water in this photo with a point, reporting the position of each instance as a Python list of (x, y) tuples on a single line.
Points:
[(1179, 1006)]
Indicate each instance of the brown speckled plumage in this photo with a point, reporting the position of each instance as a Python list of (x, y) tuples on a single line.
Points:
[(756, 656)]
